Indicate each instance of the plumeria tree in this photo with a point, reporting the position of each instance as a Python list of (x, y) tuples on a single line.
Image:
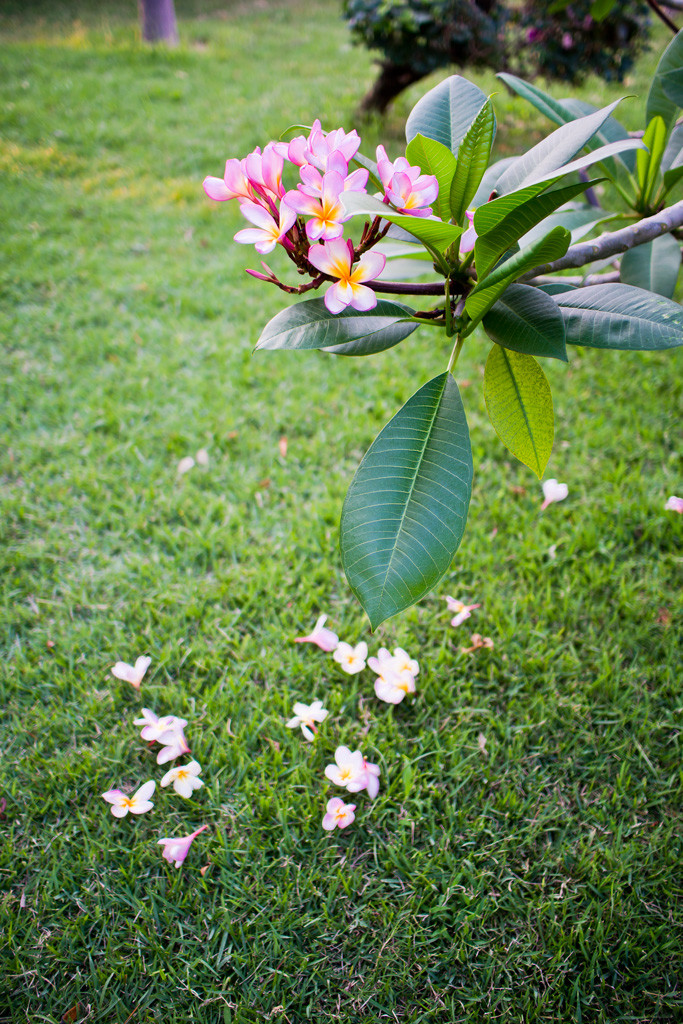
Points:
[(478, 247)]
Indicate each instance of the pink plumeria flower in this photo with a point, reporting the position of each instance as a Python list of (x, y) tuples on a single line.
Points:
[(154, 727), (267, 232), (306, 715), (177, 849), (405, 186), (349, 770), (319, 148), (132, 674), (552, 492), (462, 610), (325, 639), (372, 774), (469, 236), (233, 185), (138, 803), (351, 659), (674, 504), (335, 258), (312, 180), (339, 814), (326, 212), (264, 171), (173, 744), (185, 779)]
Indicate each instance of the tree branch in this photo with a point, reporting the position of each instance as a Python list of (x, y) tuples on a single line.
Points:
[(661, 14), (579, 282), (398, 288), (612, 243)]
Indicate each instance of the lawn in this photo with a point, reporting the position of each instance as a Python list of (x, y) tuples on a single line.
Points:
[(522, 860)]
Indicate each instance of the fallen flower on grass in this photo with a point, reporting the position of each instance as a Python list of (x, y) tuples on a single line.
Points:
[(325, 639), (351, 659), (306, 715), (132, 674), (462, 610), (185, 465), (372, 774), (154, 728), (338, 815), (138, 803), (202, 457), (402, 662), (349, 770), (552, 492), (477, 641), (395, 675), (674, 504), (176, 849), (173, 744), (393, 687), (184, 778)]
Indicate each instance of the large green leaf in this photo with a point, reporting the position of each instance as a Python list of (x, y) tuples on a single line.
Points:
[(406, 509), (434, 158), (567, 110), (653, 266), (486, 292), (520, 406), (473, 157), (552, 152), (620, 316), (431, 232), (446, 112), (490, 245), (527, 320), (664, 97), (308, 325)]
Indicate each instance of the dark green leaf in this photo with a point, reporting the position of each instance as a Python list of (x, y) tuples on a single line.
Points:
[(309, 325), (492, 243), (434, 158), (620, 316), (554, 151), (446, 112), (527, 320), (473, 157), (648, 160), (520, 406), (653, 266), (488, 291), (406, 509), (431, 232), (666, 84)]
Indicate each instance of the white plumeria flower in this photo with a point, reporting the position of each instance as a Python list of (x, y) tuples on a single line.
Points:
[(138, 803), (372, 774), (388, 665), (339, 814), (202, 457), (392, 686), (349, 771), (552, 492), (402, 662), (154, 727), (324, 638), (173, 743), (185, 465), (132, 674), (184, 778), (462, 610), (306, 715), (674, 504), (351, 659)]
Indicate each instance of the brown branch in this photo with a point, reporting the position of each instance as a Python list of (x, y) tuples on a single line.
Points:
[(613, 243), (660, 14), (399, 288), (578, 282)]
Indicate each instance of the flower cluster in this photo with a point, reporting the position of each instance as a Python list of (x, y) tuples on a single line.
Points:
[(168, 732), (308, 220)]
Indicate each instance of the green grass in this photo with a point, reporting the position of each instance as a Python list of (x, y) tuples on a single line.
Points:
[(538, 881)]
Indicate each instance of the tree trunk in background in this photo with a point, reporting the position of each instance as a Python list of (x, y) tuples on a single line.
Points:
[(392, 80), (157, 20)]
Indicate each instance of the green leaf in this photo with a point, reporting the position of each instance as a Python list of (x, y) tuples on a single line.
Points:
[(648, 160), (491, 243), (486, 292), (446, 112), (309, 325), (621, 317), (473, 158), (672, 158), (551, 153), (664, 96), (406, 509), (601, 8), (430, 232), (520, 406), (653, 266), (434, 158), (527, 321)]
